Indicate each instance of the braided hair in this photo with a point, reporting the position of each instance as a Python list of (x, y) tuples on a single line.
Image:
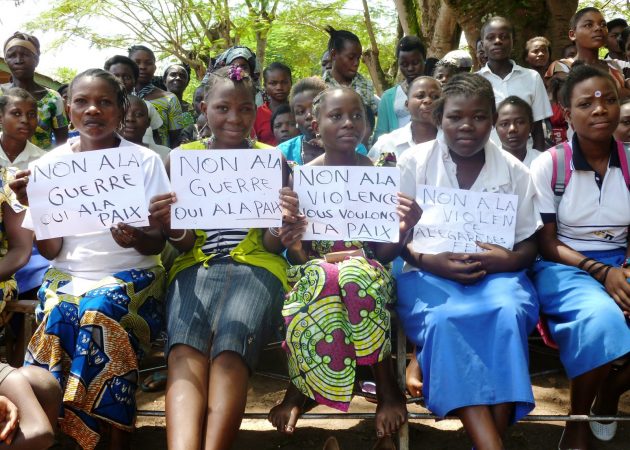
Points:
[(320, 99), (338, 38), (466, 85), (232, 74)]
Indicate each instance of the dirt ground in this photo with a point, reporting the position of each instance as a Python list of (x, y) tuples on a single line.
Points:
[(550, 391)]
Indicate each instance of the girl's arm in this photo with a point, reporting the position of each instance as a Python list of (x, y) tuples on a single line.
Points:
[(538, 136), (20, 242), (61, 135), (49, 248), (614, 279), (160, 215), (289, 236)]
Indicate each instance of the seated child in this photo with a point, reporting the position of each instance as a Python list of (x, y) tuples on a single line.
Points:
[(352, 338), (470, 314)]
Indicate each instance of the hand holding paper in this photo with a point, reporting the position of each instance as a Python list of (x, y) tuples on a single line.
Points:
[(408, 211), (18, 185), (160, 209)]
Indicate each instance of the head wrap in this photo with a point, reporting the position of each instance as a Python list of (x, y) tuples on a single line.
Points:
[(17, 42), (227, 57), (459, 58)]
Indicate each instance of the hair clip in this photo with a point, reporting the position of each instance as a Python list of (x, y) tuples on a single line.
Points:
[(236, 73), (598, 94)]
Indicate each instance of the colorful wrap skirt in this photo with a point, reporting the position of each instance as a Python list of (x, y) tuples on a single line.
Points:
[(471, 340), (8, 292), (583, 319), (92, 344), (336, 317)]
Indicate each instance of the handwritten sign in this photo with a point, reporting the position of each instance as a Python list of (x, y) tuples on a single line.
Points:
[(349, 203), (453, 220), (218, 189), (86, 192)]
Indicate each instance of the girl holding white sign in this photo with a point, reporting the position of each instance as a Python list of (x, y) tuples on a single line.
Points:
[(100, 301), (582, 281), (470, 314), (225, 292), (336, 313)]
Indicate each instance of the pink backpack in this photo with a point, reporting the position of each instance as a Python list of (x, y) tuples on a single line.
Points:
[(561, 156)]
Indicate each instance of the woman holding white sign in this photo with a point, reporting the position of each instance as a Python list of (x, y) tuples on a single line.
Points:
[(583, 195), (225, 291), (470, 314), (101, 299), (336, 313)]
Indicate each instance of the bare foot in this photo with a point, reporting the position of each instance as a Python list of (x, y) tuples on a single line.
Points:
[(386, 443), (391, 411), (119, 439), (413, 378), (331, 444), (575, 436), (285, 415)]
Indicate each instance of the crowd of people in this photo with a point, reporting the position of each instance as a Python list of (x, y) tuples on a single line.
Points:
[(556, 134)]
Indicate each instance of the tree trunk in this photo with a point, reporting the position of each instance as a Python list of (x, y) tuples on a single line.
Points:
[(529, 17), (370, 56), (408, 17), (440, 18), (558, 27)]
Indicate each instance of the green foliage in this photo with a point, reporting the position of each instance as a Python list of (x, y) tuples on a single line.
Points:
[(193, 30), (64, 74), (298, 39)]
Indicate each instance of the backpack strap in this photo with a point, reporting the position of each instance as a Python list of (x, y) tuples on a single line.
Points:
[(561, 156), (624, 157)]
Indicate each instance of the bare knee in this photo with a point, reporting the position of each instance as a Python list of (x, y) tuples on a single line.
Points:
[(44, 385), (229, 362), (181, 352)]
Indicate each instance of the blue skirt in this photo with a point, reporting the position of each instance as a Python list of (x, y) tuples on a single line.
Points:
[(583, 319), (471, 339)]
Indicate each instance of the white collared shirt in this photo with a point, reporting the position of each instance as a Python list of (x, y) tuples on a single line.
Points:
[(430, 163), (395, 142), (589, 216), (525, 83), (530, 156), (30, 153)]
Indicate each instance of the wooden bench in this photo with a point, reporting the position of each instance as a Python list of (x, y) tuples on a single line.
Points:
[(16, 344)]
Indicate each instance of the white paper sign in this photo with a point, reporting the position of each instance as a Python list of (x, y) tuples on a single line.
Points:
[(219, 189), (86, 192), (349, 202), (454, 219)]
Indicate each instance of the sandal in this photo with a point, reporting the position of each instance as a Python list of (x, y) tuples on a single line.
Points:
[(603, 431), (156, 382)]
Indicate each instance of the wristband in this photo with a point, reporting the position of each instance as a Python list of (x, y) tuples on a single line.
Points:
[(178, 238), (626, 263), (274, 231)]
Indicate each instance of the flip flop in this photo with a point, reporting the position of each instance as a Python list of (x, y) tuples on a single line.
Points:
[(155, 382)]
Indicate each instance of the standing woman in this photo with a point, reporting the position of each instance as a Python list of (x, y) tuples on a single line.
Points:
[(21, 53), (176, 78), (91, 342), (166, 103), (345, 52), (538, 54), (392, 110)]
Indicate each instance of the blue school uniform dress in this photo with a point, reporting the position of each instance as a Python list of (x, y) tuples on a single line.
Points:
[(592, 218), (471, 339)]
